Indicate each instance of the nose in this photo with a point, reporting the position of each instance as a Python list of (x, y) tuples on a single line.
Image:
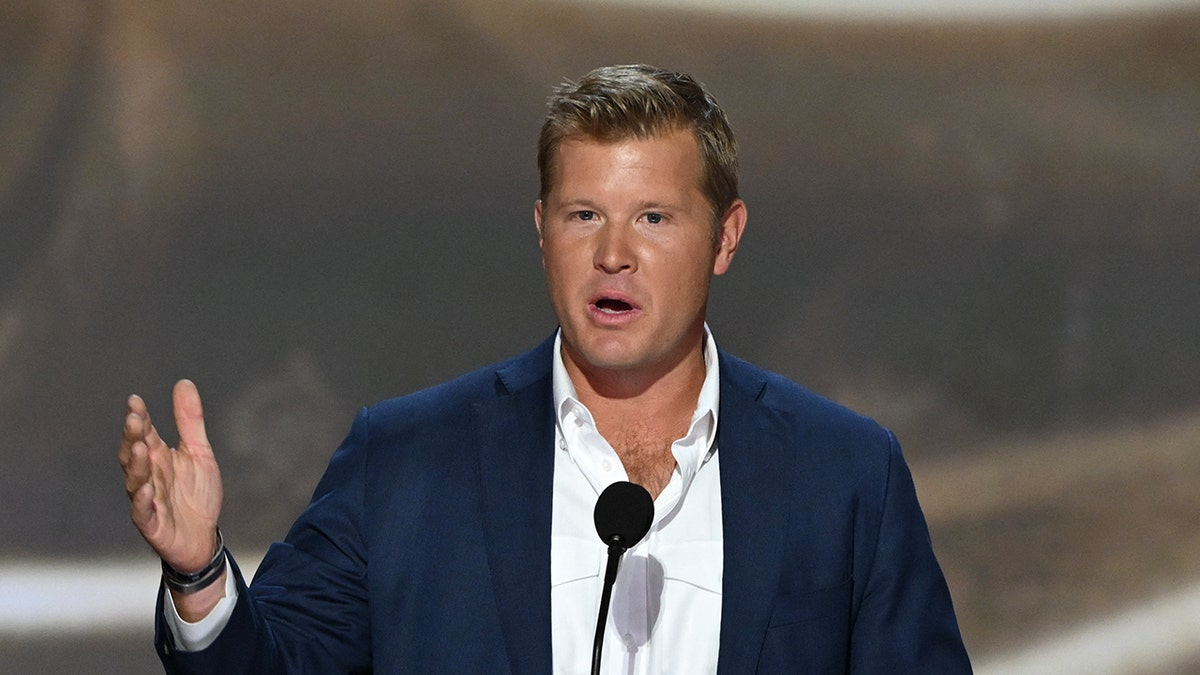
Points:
[(615, 252)]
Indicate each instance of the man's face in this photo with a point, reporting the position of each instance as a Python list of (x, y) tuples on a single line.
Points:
[(628, 248)]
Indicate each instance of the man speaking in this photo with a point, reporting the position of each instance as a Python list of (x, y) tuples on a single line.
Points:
[(453, 530)]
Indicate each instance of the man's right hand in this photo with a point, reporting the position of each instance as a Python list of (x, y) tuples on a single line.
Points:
[(176, 494)]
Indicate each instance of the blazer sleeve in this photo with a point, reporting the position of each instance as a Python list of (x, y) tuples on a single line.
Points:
[(905, 620), (306, 610)]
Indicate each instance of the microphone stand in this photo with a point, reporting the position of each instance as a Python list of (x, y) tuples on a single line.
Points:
[(615, 550), (623, 515)]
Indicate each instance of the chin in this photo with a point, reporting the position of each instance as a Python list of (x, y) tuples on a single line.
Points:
[(608, 359), (603, 353)]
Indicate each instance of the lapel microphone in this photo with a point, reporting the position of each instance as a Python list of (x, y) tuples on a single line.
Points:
[(623, 516)]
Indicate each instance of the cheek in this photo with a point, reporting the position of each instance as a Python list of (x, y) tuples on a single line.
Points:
[(681, 285), (564, 257), (692, 267), (559, 270)]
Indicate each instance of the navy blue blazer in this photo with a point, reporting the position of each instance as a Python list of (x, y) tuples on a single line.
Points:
[(426, 548)]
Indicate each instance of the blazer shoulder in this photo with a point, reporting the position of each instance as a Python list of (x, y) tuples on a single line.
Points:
[(785, 397), (450, 399), (817, 431)]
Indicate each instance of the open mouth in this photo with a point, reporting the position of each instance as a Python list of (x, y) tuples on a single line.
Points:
[(613, 306)]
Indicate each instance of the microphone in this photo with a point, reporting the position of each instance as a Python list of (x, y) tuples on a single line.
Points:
[(623, 516)]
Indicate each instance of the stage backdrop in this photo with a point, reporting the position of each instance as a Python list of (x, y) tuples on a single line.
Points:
[(982, 233)]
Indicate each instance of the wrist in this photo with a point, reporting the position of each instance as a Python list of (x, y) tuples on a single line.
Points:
[(187, 583)]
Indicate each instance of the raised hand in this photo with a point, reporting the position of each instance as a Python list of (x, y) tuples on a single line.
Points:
[(175, 494)]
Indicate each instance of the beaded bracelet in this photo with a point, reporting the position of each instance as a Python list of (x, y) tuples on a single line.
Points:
[(191, 583)]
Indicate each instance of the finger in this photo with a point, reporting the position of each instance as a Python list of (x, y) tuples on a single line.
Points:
[(152, 438), (138, 426), (162, 467), (137, 469), (142, 507), (131, 434), (136, 405), (161, 481), (135, 412), (189, 418)]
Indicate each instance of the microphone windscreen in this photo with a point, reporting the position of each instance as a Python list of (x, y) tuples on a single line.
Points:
[(625, 510)]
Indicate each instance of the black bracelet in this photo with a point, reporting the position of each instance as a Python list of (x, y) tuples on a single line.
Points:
[(191, 583)]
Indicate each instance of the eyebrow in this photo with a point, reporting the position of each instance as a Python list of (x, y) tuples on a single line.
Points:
[(577, 204), (658, 206), (640, 206)]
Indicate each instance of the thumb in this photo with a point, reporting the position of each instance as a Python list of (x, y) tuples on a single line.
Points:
[(189, 417)]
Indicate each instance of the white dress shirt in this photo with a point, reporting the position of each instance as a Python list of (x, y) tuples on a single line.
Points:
[(665, 612)]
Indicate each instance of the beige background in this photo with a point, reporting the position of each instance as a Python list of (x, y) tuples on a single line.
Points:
[(981, 232)]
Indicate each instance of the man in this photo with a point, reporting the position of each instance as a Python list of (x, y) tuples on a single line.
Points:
[(452, 531)]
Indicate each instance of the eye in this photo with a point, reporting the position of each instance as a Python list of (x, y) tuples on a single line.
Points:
[(585, 215), (654, 218)]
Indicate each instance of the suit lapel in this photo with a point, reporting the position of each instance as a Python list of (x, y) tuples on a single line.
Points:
[(516, 470), (515, 436), (755, 491)]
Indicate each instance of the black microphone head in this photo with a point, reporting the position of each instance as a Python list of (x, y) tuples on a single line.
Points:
[(623, 514)]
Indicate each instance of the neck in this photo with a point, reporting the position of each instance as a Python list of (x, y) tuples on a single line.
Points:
[(646, 390)]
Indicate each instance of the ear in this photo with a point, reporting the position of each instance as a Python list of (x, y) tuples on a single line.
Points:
[(729, 233), (537, 221)]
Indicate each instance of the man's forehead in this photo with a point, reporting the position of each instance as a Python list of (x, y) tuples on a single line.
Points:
[(663, 171), (661, 151), (657, 167)]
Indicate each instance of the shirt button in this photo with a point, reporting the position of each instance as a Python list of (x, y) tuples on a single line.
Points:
[(628, 638), (562, 444), (606, 465)]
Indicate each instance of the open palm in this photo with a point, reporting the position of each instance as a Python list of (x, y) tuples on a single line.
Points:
[(175, 494)]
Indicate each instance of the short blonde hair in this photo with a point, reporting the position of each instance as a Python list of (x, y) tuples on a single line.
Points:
[(641, 101)]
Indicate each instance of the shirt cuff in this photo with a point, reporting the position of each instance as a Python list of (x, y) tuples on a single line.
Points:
[(193, 637)]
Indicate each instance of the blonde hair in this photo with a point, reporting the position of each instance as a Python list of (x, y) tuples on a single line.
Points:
[(641, 101)]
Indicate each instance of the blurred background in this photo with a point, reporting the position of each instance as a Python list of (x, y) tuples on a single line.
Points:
[(978, 225)]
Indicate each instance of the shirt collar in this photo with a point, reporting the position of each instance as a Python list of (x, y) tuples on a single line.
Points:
[(704, 418)]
